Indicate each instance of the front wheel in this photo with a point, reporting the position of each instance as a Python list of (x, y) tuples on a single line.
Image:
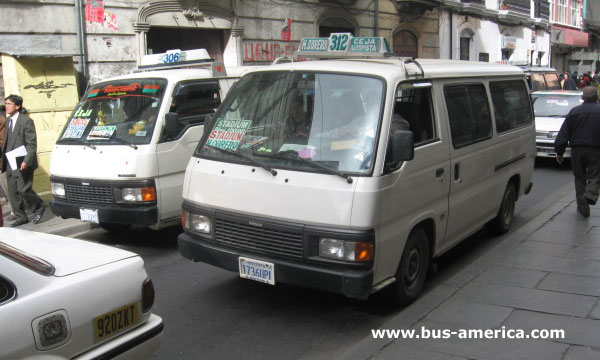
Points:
[(412, 270), (501, 224), (110, 227)]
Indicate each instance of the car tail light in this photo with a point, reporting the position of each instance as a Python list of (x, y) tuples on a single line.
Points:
[(147, 295)]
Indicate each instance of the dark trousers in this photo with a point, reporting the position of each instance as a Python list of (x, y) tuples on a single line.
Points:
[(21, 194), (586, 169)]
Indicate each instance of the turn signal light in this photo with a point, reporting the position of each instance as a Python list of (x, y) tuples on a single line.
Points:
[(149, 194)]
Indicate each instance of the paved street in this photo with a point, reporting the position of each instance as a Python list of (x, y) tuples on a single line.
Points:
[(543, 274)]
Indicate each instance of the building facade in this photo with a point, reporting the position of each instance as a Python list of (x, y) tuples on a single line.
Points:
[(575, 29)]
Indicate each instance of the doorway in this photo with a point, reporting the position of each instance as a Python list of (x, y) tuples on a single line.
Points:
[(161, 39)]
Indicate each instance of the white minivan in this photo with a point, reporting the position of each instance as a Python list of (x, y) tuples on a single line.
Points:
[(350, 175), (121, 157)]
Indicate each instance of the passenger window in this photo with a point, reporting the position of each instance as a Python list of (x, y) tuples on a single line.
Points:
[(538, 82), (412, 111), (552, 81), (512, 109), (193, 103), (468, 113)]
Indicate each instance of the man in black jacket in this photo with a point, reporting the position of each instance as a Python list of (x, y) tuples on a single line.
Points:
[(581, 131)]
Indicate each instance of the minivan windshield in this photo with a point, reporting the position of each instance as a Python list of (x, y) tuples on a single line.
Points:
[(554, 105), (301, 120), (116, 112)]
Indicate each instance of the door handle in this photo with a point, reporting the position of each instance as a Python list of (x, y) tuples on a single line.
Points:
[(457, 173), (439, 173)]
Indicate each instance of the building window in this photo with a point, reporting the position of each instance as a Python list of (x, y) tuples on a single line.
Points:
[(464, 48), (575, 9), (562, 11), (405, 44), (551, 9), (485, 57)]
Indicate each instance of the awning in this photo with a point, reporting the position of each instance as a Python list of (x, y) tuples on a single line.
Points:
[(570, 37)]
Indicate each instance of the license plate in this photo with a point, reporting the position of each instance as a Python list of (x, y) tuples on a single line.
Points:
[(257, 270), (89, 215), (116, 321)]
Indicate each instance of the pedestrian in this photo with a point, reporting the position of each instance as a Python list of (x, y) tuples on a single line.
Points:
[(570, 83), (3, 185), (20, 131), (581, 131)]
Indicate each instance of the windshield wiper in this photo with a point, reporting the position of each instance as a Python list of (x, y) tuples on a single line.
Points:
[(124, 142), (293, 155), (79, 141), (246, 157)]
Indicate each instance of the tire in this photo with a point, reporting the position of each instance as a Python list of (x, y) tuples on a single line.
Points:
[(501, 224), (110, 227), (412, 269)]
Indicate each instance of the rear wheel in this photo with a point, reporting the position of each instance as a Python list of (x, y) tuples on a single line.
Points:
[(412, 270), (110, 227), (501, 224)]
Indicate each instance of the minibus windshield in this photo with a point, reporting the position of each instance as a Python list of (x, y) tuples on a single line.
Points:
[(116, 112), (323, 119)]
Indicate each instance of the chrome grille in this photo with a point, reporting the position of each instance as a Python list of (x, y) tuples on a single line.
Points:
[(276, 242), (89, 193)]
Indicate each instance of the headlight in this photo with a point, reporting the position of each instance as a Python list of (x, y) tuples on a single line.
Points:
[(200, 223), (345, 250), (58, 189), (138, 194)]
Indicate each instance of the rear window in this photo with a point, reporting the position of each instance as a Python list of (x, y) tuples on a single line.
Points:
[(552, 81)]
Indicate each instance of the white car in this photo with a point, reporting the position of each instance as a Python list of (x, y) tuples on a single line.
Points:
[(63, 298), (551, 107)]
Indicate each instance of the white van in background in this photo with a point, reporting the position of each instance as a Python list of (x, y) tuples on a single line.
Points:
[(121, 157), (350, 175)]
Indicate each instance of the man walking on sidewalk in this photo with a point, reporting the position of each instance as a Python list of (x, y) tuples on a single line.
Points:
[(581, 131), (20, 132)]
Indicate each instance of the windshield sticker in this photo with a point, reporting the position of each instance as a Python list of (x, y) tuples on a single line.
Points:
[(152, 89), (370, 133), (360, 156), (227, 134), (93, 93), (343, 145), (133, 87), (141, 133), (252, 141), (76, 128), (264, 149), (102, 132)]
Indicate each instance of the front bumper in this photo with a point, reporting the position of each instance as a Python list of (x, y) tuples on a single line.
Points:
[(546, 149), (354, 283), (138, 343), (113, 214)]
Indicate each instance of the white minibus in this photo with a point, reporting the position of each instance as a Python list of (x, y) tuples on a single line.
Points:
[(350, 175), (121, 157)]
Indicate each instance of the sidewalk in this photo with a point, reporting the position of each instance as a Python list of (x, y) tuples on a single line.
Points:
[(545, 275), (50, 223)]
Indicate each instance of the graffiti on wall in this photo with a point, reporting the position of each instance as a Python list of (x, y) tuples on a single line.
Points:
[(260, 51), (47, 87), (96, 14)]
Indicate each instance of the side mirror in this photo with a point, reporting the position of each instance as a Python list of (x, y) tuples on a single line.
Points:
[(171, 126), (403, 146)]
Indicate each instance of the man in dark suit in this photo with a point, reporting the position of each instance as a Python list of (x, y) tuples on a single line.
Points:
[(20, 131)]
